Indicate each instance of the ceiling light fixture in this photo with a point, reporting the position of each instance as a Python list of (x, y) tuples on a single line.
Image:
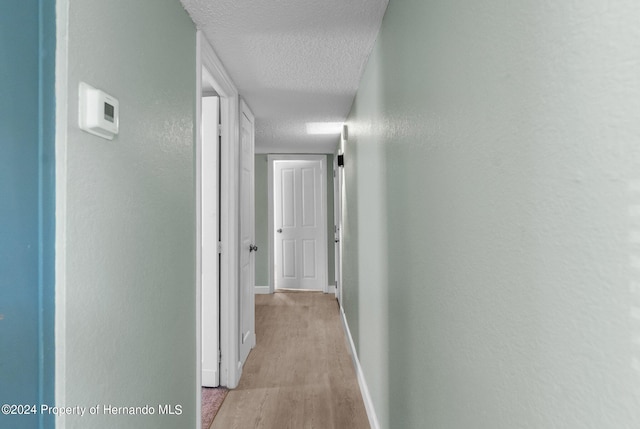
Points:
[(326, 128)]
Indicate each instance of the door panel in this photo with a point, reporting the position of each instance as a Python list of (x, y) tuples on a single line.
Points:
[(309, 198), (309, 258), (287, 206), (247, 236), (209, 235), (300, 223), (289, 259)]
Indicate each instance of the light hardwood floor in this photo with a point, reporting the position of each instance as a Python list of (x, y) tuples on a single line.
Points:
[(300, 374)]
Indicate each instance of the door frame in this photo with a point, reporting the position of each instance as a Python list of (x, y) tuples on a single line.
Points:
[(271, 216), (229, 262)]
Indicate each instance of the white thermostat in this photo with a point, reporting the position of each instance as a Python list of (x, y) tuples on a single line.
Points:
[(98, 112)]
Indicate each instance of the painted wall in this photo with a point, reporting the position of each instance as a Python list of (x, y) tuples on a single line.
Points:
[(261, 171), (129, 299), (262, 224), (492, 217), (27, 194)]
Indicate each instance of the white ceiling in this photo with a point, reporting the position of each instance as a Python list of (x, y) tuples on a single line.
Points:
[(293, 61)]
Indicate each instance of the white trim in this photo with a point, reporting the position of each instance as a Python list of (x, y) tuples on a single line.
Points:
[(270, 243), (245, 111), (263, 290), (323, 179), (331, 289), (62, 106), (364, 389), (229, 162), (325, 219), (207, 239)]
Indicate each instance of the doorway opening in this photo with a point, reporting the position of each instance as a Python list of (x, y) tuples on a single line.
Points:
[(217, 243)]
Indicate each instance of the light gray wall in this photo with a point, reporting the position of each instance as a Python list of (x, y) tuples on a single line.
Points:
[(262, 224), (261, 171), (491, 220), (129, 303)]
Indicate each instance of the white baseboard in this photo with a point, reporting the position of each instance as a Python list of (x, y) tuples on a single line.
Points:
[(209, 378), (364, 390), (262, 290)]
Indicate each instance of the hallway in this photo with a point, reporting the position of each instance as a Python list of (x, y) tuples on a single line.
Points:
[(487, 229), (300, 373)]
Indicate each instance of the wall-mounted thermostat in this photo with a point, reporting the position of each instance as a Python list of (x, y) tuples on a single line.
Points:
[(98, 112)]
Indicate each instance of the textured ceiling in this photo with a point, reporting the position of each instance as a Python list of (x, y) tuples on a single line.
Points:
[(293, 61)]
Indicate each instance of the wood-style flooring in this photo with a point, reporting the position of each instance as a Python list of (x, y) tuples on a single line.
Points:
[(300, 374)]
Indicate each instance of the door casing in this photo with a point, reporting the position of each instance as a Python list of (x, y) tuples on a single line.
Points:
[(246, 306), (230, 371)]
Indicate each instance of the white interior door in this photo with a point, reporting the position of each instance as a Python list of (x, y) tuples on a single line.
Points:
[(210, 224), (247, 225), (300, 231)]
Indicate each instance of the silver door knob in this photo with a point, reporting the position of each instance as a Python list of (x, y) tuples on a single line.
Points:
[(253, 248), (280, 230)]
